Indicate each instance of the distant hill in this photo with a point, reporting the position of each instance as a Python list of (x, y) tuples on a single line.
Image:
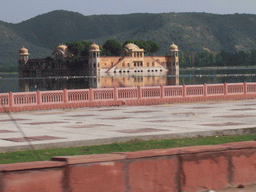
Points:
[(190, 31)]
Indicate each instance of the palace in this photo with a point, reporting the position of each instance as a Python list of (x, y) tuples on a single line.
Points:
[(132, 62)]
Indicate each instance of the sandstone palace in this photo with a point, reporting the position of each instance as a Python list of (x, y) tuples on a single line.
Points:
[(132, 62)]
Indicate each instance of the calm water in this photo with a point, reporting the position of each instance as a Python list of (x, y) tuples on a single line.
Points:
[(11, 82)]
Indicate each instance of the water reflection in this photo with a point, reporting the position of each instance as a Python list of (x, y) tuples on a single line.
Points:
[(11, 82), (59, 83)]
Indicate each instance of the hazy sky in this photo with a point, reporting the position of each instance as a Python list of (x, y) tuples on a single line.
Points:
[(15, 11)]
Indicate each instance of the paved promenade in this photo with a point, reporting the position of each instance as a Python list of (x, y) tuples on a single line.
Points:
[(92, 126)]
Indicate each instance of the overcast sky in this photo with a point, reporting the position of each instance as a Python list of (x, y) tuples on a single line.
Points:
[(15, 11)]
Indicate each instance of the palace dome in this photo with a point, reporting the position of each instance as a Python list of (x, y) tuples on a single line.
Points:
[(62, 47), (173, 47), (23, 51), (131, 46), (94, 47)]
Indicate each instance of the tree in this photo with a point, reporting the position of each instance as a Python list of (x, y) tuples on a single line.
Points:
[(185, 59), (86, 48), (75, 47), (253, 57), (112, 48), (79, 48), (153, 47)]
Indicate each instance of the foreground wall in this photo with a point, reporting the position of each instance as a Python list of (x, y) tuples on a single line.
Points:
[(179, 169), (42, 100)]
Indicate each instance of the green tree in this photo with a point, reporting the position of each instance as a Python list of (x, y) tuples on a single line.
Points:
[(253, 57), (153, 47), (182, 58), (203, 58), (218, 59), (79, 48), (211, 59), (75, 47), (86, 48), (112, 48)]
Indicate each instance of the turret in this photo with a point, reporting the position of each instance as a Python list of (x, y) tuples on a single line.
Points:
[(173, 49), (173, 59), (23, 55), (94, 59), (60, 52)]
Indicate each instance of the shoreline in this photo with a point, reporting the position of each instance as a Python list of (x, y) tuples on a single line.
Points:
[(218, 67)]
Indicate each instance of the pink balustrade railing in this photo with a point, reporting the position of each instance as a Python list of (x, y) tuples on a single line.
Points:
[(173, 91), (215, 89), (194, 90), (103, 94), (251, 88), (29, 98), (127, 93), (75, 96), (124, 93), (235, 88), (4, 99), (150, 92), (53, 97)]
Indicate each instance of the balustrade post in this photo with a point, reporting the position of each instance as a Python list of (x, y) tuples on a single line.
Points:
[(245, 88), (115, 93), (10, 99), (38, 97), (205, 89), (225, 89), (184, 90), (162, 91), (139, 92), (65, 94), (91, 94)]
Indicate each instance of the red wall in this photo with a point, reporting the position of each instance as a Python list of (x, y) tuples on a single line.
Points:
[(177, 169)]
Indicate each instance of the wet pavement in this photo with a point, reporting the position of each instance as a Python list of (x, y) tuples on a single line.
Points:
[(93, 126)]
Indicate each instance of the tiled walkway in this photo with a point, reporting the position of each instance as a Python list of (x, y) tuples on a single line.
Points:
[(89, 126)]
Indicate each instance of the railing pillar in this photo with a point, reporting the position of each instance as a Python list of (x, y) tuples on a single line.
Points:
[(10, 99), (65, 93), (115, 93), (162, 91), (139, 92), (225, 89), (205, 89), (91, 94), (245, 88), (184, 90), (38, 97)]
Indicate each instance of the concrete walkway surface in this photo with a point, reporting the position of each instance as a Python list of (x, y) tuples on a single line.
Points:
[(94, 126)]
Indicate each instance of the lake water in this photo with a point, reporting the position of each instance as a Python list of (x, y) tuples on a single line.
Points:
[(11, 82)]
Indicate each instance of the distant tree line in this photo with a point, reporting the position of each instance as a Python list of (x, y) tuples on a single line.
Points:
[(222, 58), (111, 47)]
